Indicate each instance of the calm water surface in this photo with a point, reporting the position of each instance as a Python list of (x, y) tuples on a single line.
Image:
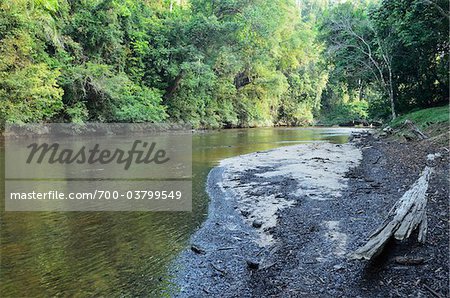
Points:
[(122, 253)]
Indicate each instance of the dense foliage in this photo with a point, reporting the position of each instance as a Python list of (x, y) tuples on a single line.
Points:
[(219, 63), (393, 55)]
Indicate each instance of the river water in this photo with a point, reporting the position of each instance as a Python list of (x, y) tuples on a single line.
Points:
[(122, 253)]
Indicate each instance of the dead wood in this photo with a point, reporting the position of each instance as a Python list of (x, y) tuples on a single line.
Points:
[(414, 129), (435, 294), (408, 261), (377, 160), (405, 216), (197, 249), (224, 272)]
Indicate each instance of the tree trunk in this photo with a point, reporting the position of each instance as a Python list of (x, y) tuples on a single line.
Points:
[(408, 214), (360, 89), (391, 95), (173, 87)]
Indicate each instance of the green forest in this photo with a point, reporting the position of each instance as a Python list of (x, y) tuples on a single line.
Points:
[(228, 63)]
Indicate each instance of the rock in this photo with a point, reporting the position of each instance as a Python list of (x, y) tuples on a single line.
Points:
[(376, 123), (338, 267), (434, 156), (388, 130), (375, 184), (197, 249), (257, 223), (251, 264), (245, 213)]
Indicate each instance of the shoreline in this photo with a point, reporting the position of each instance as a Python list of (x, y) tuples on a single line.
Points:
[(247, 196), (164, 127), (221, 236), (306, 251)]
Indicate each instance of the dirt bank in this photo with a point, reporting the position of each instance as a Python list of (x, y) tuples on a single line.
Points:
[(314, 205)]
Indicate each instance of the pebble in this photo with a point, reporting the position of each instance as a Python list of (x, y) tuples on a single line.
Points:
[(257, 223), (252, 264)]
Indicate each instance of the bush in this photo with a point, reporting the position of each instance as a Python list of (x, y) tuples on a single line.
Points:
[(95, 92), (30, 94), (346, 112)]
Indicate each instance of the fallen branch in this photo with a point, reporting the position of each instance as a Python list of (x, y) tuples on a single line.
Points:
[(218, 269), (226, 248), (407, 214), (197, 249), (408, 261), (435, 294), (376, 161)]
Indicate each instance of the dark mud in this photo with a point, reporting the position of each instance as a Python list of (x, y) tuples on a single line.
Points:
[(312, 238)]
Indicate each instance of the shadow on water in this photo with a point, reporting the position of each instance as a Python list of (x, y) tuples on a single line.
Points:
[(122, 253)]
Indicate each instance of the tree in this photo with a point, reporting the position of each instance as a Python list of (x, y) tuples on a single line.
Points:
[(356, 45), (417, 33), (29, 90), (219, 63)]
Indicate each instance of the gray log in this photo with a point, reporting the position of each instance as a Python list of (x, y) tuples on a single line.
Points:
[(407, 214), (411, 126)]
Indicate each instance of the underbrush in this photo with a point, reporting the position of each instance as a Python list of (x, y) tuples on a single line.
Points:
[(424, 118)]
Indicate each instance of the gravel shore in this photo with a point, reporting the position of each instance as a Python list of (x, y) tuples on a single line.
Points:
[(281, 223)]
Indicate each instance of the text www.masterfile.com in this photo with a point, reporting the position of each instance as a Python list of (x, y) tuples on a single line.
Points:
[(99, 195)]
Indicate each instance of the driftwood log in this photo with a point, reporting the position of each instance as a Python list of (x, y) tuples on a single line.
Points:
[(415, 130), (407, 214)]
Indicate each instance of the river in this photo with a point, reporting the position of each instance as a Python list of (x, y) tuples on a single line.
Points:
[(122, 253)]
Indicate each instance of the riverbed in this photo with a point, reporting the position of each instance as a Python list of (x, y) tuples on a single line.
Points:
[(124, 253)]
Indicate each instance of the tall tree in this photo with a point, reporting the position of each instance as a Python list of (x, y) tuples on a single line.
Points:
[(356, 46)]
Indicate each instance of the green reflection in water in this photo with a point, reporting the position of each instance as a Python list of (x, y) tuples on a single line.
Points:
[(121, 253)]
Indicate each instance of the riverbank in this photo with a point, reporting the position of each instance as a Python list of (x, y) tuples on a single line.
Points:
[(282, 221)]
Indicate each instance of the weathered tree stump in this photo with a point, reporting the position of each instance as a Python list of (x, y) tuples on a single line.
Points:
[(407, 214), (414, 129)]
